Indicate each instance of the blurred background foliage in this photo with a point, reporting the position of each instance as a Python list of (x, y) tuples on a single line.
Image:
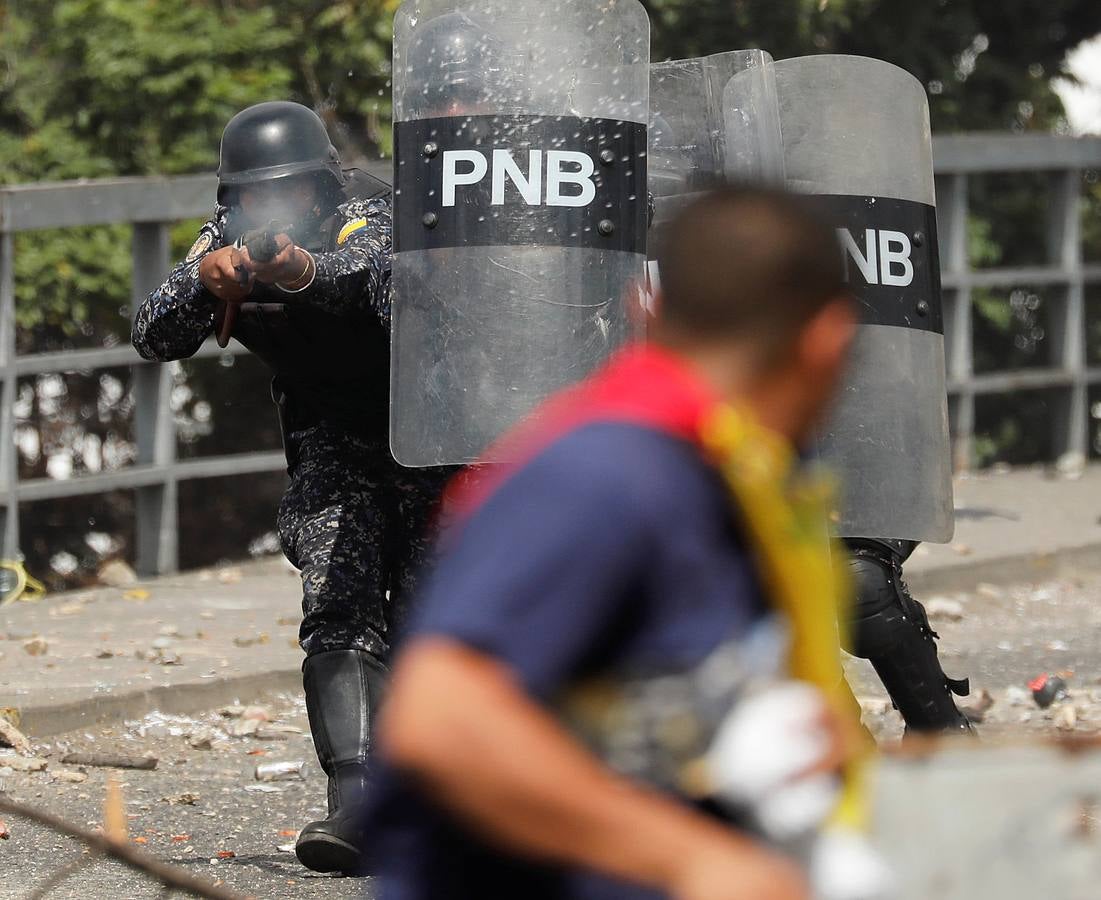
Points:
[(101, 88)]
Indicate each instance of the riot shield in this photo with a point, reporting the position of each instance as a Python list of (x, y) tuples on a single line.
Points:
[(856, 132), (519, 209), (712, 119)]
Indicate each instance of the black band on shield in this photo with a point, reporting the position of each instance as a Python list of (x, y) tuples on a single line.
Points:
[(520, 181), (890, 252)]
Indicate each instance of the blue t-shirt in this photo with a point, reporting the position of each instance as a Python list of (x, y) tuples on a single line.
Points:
[(613, 554)]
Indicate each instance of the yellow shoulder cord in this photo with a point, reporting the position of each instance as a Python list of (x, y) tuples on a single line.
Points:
[(785, 516)]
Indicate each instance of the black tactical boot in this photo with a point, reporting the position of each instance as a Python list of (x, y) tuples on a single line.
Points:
[(343, 689), (892, 631)]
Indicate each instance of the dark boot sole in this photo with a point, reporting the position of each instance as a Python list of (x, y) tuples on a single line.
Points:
[(328, 853)]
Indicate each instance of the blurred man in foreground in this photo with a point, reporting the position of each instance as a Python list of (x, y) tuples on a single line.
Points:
[(595, 699)]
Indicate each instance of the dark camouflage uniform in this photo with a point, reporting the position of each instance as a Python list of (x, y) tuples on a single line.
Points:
[(352, 519)]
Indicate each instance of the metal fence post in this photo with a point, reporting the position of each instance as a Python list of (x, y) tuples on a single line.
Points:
[(157, 550), (952, 213), (1064, 235), (9, 462)]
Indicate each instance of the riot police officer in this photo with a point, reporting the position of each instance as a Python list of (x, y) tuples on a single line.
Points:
[(318, 313), (719, 116)]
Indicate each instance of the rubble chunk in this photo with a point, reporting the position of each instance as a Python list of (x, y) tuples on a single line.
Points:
[(36, 646), (10, 736), (117, 573), (943, 609), (24, 763)]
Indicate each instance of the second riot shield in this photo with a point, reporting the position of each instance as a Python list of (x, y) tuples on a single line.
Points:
[(712, 119), (519, 209), (856, 134)]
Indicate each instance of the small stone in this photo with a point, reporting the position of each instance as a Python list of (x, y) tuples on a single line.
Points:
[(875, 706), (117, 574), (229, 576), (201, 739), (162, 643), (976, 710), (185, 799), (104, 654), (988, 590), (232, 712), (24, 763), (69, 776), (1071, 465), (207, 614), (1057, 646), (36, 646), (169, 630), (1066, 717), (10, 736), (941, 609), (256, 712), (962, 549), (243, 727)]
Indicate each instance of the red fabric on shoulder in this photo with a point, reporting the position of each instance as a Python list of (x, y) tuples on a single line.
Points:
[(642, 385)]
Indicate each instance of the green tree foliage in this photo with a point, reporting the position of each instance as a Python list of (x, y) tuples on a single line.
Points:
[(105, 88), (987, 64)]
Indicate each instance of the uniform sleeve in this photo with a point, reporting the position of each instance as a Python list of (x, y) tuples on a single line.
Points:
[(178, 316), (354, 278), (541, 576)]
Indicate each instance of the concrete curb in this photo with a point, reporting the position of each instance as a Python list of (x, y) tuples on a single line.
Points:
[(1024, 567), (177, 699), (193, 697)]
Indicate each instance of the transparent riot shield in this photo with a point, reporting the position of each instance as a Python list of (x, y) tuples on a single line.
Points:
[(856, 133), (519, 209), (712, 119)]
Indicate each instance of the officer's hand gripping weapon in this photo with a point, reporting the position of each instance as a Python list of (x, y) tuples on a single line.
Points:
[(262, 247)]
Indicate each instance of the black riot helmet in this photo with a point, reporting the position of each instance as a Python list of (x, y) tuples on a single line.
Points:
[(458, 60), (274, 140)]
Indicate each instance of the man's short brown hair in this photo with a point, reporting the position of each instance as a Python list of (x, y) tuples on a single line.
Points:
[(751, 263)]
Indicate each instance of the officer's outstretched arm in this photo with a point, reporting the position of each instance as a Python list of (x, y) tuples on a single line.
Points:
[(178, 316), (354, 277)]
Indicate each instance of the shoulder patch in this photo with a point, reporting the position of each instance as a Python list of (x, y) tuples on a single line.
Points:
[(349, 229), (201, 245)]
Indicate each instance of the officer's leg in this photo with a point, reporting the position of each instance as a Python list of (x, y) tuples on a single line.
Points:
[(891, 630), (332, 528)]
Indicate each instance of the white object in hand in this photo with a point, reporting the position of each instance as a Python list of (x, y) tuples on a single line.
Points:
[(761, 754)]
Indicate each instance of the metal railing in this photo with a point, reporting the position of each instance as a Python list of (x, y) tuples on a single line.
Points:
[(1064, 161), (152, 204)]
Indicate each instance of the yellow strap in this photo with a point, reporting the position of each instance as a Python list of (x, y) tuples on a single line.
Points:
[(785, 517)]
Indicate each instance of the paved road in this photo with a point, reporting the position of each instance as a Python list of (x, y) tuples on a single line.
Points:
[(193, 642), (1005, 637), (225, 811)]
